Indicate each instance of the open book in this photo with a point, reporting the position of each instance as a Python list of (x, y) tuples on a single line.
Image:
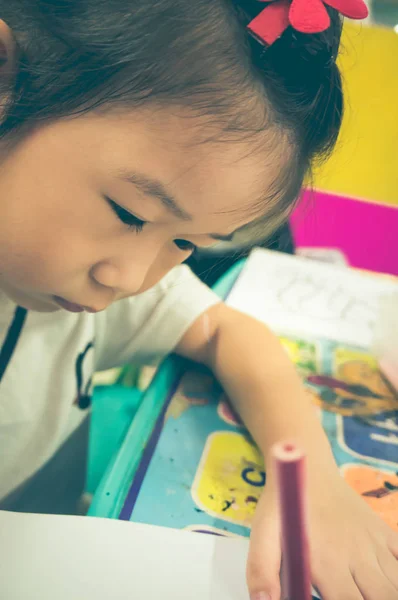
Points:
[(301, 297)]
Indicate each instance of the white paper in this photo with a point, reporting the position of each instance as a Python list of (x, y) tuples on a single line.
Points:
[(298, 296), (46, 557), (385, 345)]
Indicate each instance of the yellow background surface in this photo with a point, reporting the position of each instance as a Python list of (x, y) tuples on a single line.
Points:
[(365, 164)]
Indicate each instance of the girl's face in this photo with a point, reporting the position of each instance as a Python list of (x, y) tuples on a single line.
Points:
[(98, 208)]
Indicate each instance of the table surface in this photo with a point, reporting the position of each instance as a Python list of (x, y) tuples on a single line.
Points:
[(187, 461)]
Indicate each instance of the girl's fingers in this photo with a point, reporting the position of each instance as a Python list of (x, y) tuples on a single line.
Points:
[(389, 566), (334, 586), (393, 544), (264, 561), (374, 584)]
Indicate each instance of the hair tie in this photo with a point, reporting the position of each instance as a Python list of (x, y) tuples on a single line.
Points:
[(305, 16)]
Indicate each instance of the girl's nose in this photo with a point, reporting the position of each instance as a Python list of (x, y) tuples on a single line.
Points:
[(122, 278), (125, 275)]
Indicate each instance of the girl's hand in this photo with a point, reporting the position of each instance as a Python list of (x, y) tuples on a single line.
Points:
[(354, 554)]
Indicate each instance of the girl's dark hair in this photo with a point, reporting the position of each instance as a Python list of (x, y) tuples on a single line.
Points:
[(76, 55)]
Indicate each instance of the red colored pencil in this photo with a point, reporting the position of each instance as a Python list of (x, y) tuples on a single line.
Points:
[(290, 464)]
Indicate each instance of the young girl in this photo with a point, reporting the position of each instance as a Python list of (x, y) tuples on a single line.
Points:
[(133, 131)]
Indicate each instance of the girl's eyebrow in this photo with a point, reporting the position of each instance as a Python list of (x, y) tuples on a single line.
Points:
[(153, 187)]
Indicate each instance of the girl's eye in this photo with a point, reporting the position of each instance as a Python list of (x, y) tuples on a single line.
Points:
[(185, 246), (126, 217)]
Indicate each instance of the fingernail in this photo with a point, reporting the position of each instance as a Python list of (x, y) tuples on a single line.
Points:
[(260, 596)]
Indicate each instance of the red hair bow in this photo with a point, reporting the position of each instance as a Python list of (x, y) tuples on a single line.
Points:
[(306, 16)]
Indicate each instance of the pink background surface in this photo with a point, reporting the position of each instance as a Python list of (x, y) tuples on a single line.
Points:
[(367, 233)]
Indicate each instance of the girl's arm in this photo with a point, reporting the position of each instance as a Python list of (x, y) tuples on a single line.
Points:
[(260, 380)]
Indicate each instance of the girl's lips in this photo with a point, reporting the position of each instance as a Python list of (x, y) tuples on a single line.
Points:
[(70, 306)]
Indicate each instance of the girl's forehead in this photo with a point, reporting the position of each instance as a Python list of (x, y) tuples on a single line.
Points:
[(207, 170)]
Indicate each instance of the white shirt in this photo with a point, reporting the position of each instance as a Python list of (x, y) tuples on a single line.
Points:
[(57, 354)]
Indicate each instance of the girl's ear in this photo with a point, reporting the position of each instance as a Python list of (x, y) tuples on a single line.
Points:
[(7, 50)]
